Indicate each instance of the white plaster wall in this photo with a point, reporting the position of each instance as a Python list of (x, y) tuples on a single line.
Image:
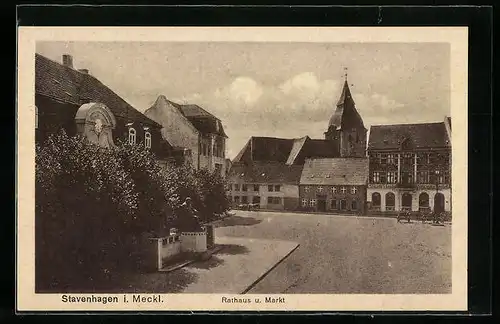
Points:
[(177, 130), (193, 242)]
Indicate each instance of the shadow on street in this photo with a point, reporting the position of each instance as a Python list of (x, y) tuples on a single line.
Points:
[(238, 221)]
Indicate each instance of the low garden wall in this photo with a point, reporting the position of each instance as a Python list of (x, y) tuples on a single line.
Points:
[(193, 241), (166, 248)]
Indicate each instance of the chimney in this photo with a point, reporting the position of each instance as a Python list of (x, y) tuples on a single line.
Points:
[(67, 60), (84, 71)]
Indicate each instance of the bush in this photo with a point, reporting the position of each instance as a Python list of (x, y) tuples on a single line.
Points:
[(93, 205)]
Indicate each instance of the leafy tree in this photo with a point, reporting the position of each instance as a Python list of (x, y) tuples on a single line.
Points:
[(214, 199)]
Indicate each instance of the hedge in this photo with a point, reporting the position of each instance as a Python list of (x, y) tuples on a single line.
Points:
[(94, 204)]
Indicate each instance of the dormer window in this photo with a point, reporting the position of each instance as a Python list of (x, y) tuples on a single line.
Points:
[(131, 136), (147, 139)]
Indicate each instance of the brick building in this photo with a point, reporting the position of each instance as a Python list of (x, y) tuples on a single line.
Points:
[(410, 167), (76, 101), (195, 129), (335, 185)]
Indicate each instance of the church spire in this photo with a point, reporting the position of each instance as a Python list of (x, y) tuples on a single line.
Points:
[(345, 96)]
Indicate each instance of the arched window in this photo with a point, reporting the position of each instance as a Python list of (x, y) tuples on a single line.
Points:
[(36, 117), (131, 136), (390, 201), (376, 200), (423, 201), (147, 139)]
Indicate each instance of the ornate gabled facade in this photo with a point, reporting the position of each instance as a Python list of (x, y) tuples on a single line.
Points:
[(410, 167), (346, 128)]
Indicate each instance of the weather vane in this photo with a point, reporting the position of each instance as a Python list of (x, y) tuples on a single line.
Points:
[(345, 74)]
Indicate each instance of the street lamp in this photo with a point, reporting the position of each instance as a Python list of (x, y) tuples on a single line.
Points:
[(436, 219)]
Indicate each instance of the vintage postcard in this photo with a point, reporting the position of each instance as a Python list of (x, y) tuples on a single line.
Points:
[(242, 169)]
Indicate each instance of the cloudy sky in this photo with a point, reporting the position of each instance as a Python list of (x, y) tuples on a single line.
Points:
[(273, 89)]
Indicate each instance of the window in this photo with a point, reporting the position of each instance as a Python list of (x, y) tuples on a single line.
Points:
[(390, 201), (256, 200), (383, 158), (333, 204), (304, 202), (320, 189), (392, 177), (383, 177), (236, 187), (376, 177), (277, 188), (423, 177), (354, 190), (391, 159), (131, 136), (147, 139), (244, 187), (244, 199), (236, 199), (343, 190), (306, 189), (255, 187), (354, 205), (36, 117), (274, 200), (270, 188), (423, 201), (334, 190), (312, 202), (441, 178), (343, 204)]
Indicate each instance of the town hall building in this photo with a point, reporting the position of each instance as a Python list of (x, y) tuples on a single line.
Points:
[(410, 167)]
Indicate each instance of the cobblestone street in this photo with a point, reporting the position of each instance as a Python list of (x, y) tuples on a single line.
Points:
[(340, 254)]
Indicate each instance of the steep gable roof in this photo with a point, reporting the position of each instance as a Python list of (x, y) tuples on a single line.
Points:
[(65, 84), (202, 120), (336, 171), (194, 111), (423, 135), (265, 172), (296, 149), (285, 150)]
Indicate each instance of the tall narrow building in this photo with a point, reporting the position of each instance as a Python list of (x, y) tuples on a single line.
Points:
[(346, 128)]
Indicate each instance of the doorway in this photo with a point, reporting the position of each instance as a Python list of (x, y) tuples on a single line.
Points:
[(406, 201), (321, 203), (438, 202)]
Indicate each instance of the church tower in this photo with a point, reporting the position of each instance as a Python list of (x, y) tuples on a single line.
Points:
[(346, 128)]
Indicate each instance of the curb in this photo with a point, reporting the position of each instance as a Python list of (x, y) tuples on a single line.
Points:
[(253, 284)]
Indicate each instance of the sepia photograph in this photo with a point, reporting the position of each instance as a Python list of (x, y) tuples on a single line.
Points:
[(244, 172)]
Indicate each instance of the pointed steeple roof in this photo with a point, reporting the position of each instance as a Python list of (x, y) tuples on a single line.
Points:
[(345, 111), (345, 95)]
